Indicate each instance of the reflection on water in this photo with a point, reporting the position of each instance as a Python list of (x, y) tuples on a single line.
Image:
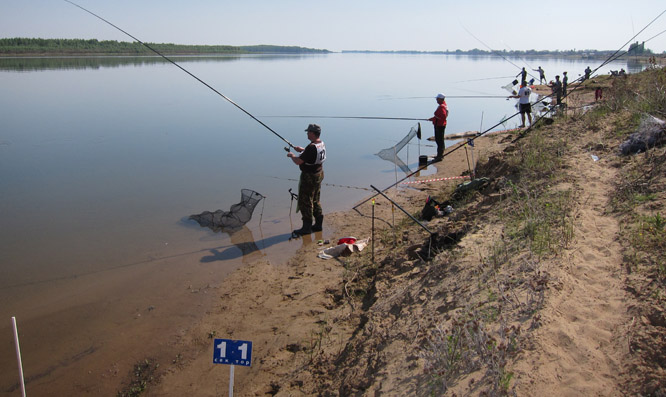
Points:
[(233, 223), (29, 64), (635, 65), (245, 246)]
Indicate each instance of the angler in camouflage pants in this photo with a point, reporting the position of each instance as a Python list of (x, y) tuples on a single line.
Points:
[(309, 189), (310, 163)]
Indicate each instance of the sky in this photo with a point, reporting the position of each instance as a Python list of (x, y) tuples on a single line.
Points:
[(421, 25)]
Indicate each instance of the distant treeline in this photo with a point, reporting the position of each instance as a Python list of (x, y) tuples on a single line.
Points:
[(634, 49), (29, 46)]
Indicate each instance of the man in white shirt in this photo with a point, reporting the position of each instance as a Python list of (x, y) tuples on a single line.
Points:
[(524, 104)]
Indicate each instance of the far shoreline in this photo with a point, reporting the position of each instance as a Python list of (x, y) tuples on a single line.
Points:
[(661, 58)]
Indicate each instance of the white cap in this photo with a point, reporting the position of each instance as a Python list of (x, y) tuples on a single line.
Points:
[(440, 96)]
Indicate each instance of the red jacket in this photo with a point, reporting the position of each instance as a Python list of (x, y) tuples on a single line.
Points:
[(440, 115)]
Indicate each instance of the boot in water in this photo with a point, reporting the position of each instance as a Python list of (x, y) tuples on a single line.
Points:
[(317, 227), (306, 229)]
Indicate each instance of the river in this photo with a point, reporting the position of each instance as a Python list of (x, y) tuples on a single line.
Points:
[(103, 159)]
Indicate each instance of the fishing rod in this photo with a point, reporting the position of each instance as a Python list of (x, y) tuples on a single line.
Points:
[(487, 78), (323, 183), (448, 96), (380, 117), (611, 58), (579, 80), (351, 117), (493, 51), (655, 36), (521, 58), (520, 136), (421, 168), (614, 56), (186, 71)]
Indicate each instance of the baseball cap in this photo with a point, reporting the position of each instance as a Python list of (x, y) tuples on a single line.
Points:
[(313, 128)]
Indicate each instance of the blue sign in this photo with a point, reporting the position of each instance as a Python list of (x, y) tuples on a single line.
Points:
[(232, 352)]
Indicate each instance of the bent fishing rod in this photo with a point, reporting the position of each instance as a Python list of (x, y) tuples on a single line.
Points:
[(186, 71)]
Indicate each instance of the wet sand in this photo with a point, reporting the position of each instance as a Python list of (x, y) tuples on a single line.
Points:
[(82, 334)]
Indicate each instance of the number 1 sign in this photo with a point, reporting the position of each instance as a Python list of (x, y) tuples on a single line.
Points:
[(232, 352)]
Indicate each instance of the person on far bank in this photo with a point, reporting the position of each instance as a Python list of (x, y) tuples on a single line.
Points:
[(588, 72), (524, 105), (523, 77), (542, 75), (309, 186), (439, 121)]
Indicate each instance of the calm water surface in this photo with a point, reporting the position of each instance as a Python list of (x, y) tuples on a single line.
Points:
[(103, 159)]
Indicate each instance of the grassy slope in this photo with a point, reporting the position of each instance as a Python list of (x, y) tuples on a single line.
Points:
[(548, 280), (464, 320)]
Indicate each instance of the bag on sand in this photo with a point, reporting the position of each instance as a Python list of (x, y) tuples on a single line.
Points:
[(430, 209)]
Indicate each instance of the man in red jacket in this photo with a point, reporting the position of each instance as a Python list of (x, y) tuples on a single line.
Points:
[(439, 121)]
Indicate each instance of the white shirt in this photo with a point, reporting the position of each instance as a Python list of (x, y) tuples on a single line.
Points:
[(524, 94)]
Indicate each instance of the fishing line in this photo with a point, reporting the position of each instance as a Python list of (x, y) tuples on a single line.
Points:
[(655, 36), (521, 58), (493, 51), (501, 122), (350, 117), (186, 71), (614, 56), (325, 184), (447, 97), (407, 144), (421, 168), (628, 41), (626, 52), (611, 58), (379, 117), (487, 78)]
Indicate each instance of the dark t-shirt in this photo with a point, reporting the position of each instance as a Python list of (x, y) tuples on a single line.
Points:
[(309, 156), (557, 87)]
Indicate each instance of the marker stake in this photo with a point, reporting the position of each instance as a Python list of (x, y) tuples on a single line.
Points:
[(18, 356)]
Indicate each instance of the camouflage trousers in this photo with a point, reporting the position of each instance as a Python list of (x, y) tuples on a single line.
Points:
[(309, 188)]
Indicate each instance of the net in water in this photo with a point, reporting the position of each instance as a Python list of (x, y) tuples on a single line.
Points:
[(234, 219), (391, 154)]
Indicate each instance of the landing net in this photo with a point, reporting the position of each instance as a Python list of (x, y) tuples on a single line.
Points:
[(391, 154), (237, 216)]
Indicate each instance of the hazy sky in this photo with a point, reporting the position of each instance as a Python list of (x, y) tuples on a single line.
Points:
[(348, 25)]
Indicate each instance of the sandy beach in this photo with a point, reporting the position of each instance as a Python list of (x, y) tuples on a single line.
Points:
[(348, 326), (283, 308), (556, 316)]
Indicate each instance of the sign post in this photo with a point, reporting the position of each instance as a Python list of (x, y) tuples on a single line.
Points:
[(18, 356), (232, 352)]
